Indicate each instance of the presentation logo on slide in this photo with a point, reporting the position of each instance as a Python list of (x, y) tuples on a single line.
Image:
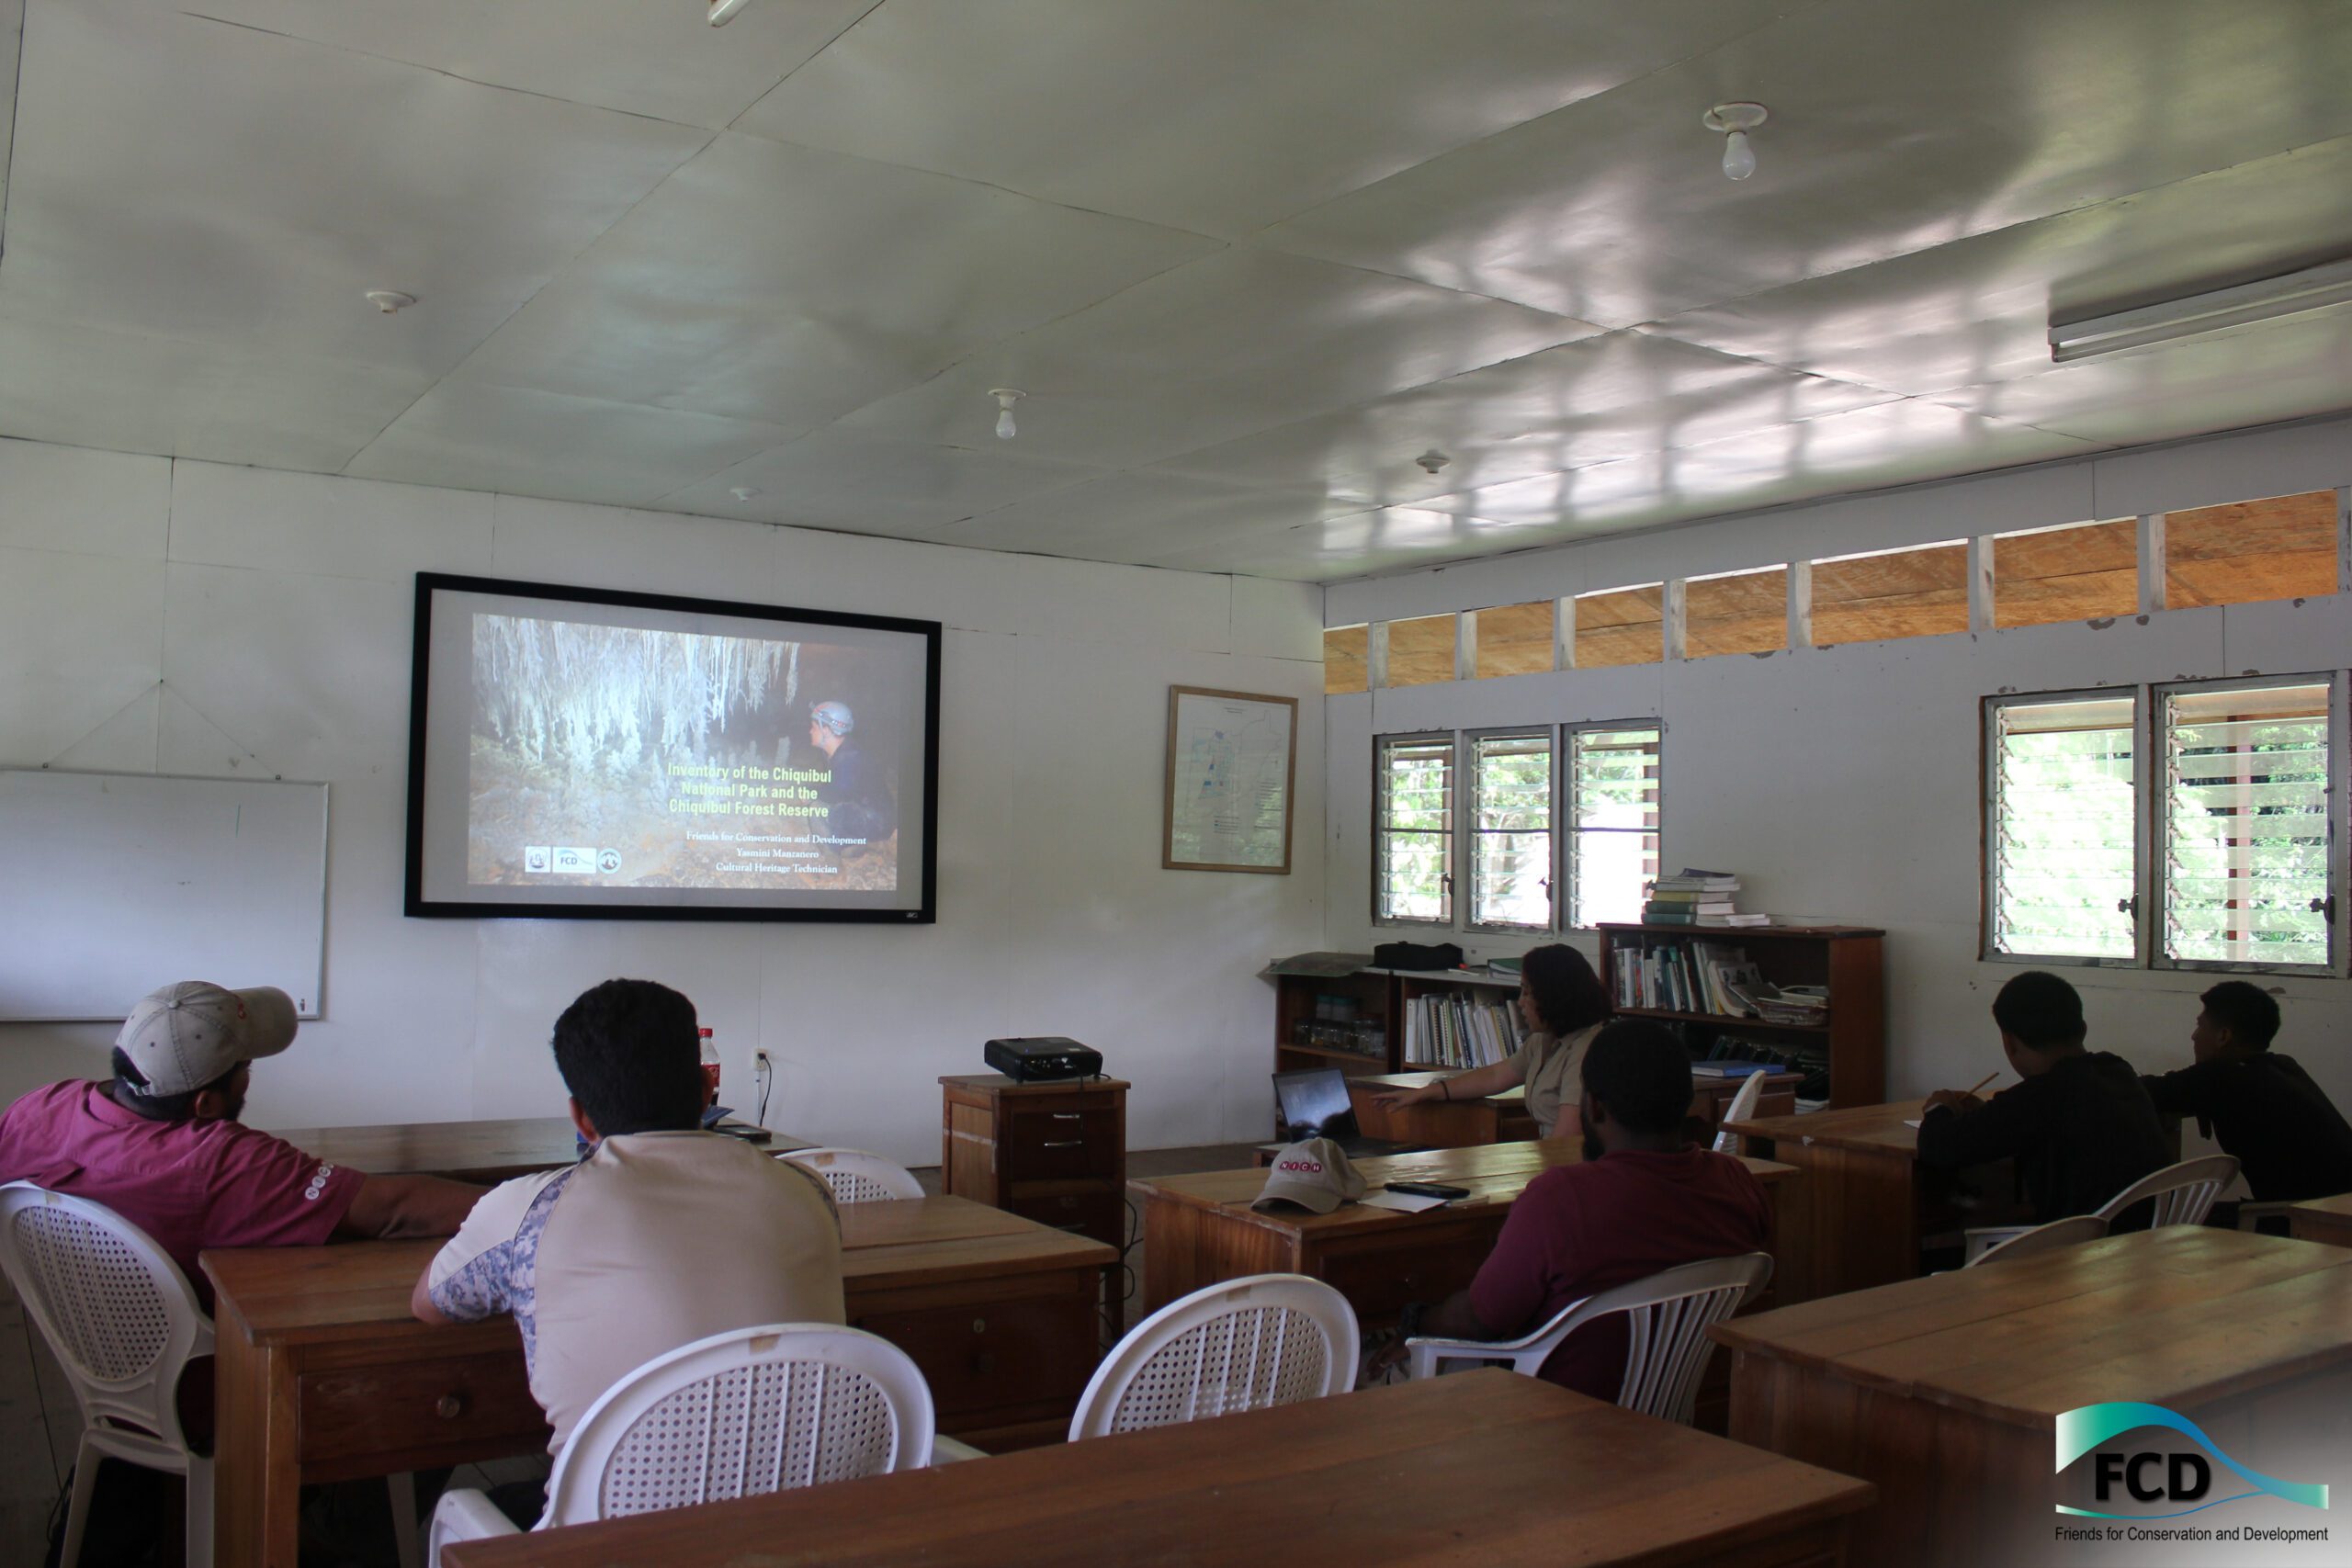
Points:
[(536, 857), (2159, 1485), (575, 860), (608, 861)]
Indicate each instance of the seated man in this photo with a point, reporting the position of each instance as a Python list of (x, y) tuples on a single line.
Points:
[(2078, 1123), (162, 1144), (2290, 1141), (856, 795), (1643, 1201), (663, 1235)]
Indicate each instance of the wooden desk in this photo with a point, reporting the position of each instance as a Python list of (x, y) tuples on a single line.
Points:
[(1860, 1194), (322, 1375), (1503, 1118), (1483, 1467), (465, 1151), (1945, 1392), (2326, 1219), (1201, 1229)]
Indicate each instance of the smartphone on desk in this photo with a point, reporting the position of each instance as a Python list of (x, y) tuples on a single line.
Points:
[(1430, 1190)]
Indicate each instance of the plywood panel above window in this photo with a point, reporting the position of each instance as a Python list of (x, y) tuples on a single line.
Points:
[(1624, 626), (2250, 550), (1921, 592), (1346, 661), (1745, 613), (2085, 573), (1420, 651), (1515, 639)]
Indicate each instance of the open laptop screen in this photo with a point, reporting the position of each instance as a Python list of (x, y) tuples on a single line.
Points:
[(1316, 1100)]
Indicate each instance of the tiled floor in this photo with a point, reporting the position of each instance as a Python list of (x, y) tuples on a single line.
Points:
[(40, 1426)]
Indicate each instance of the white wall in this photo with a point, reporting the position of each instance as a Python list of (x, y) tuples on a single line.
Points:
[(1843, 782), (188, 618)]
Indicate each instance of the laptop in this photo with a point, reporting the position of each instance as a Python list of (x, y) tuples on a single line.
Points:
[(1315, 1104)]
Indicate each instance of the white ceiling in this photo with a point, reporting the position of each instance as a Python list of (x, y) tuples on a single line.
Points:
[(1248, 258)]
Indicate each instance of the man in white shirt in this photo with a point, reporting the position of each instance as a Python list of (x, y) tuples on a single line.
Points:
[(660, 1236)]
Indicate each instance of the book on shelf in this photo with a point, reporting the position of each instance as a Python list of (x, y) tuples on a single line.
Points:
[(1728, 1069), (1454, 1029)]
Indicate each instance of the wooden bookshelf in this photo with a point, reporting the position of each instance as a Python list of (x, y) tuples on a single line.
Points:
[(1848, 959), (1371, 997)]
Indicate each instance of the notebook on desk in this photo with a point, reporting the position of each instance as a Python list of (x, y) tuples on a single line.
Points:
[(1315, 1104)]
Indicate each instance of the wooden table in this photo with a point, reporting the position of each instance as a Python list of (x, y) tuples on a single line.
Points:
[(1945, 1392), (1860, 1194), (465, 1151), (1201, 1229), (1484, 1467), (2323, 1219), (323, 1375)]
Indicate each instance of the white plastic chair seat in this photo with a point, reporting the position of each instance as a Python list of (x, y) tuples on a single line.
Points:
[(1743, 1106), (2072, 1230), (739, 1415), (1668, 1313), (856, 1176), (1247, 1344)]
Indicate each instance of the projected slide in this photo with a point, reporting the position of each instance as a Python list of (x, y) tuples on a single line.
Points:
[(642, 756)]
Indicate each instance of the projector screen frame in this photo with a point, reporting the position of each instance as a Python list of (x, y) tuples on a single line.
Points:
[(414, 903)]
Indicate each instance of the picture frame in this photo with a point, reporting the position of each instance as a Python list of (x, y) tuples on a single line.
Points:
[(1222, 809)]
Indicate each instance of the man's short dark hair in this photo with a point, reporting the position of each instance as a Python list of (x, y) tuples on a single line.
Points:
[(630, 1054), (1641, 1072), (130, 1092), (2040, 1010), (2247, 1011), (1568, 995)]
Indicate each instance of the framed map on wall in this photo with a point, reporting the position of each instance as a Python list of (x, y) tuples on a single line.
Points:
[(1231, 760)]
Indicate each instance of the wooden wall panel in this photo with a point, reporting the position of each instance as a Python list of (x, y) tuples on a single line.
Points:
[(1919, 593), (1747, 614), (1420, 651), (1346, 660), (1624, 626), (2066, 574), (1515, 639), (2251, 550)]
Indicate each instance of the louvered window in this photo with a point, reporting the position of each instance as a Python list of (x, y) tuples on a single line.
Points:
[(2060, 802), (2244, 826), (1413, 841), (1613, 810), (1510, 832)]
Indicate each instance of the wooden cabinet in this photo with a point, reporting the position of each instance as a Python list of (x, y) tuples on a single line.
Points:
[(1056, 1152), (1848, 959)]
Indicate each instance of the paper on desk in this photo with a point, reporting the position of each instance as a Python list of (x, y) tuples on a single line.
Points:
[(1405, 1203), (1913, 1125)]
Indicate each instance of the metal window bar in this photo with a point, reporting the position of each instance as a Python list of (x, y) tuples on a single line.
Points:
[(2061, 829), (1413, 879), (1509, 831), (1613, 813)]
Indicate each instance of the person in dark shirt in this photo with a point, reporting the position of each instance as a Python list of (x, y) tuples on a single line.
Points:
[(2078, 1123), (856, 796), (2290, 1140)]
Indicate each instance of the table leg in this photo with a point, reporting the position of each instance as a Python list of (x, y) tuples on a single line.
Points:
[(256, 1463)]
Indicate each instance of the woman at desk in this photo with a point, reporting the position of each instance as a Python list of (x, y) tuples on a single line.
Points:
[(1564, 1005)]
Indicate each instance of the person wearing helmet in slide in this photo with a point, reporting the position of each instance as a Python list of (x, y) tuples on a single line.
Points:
[(858, 806)]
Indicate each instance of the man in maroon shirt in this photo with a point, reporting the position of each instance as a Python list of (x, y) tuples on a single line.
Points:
[(1641, 1201)]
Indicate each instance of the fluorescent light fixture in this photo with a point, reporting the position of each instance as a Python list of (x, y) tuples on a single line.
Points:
[(2312, 288)]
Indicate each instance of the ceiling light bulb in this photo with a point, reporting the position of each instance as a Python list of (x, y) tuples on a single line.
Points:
[(1739, 158), (1005, 398), (1733, 121)]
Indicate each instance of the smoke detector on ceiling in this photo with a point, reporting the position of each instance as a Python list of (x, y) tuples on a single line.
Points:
[(390, 300), (1432, 461)]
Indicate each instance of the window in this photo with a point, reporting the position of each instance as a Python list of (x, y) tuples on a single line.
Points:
[(1346, 660), (1741, 612), (1612, 817), (2083, 572), (1420, 651), (1514, 639), (1624, 626), (2059, 827), (2243, 821), (1894, 594), (2280, 548), (1413, 835), (1510, 832)]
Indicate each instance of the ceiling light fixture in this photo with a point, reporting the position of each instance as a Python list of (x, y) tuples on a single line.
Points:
[(723, 11), (2290, 294), (1432, 461), (744, 492), (1735, 121), (390, 300), (1005, 398)]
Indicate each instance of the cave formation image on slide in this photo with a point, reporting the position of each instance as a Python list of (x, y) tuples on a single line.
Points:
[(619, 757)]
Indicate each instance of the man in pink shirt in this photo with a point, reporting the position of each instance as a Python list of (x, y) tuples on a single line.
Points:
[(1641, 1201)]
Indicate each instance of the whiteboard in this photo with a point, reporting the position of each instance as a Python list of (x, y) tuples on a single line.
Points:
[(112, 884)]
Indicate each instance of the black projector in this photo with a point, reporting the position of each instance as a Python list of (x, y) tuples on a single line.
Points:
[(1036, 1059)]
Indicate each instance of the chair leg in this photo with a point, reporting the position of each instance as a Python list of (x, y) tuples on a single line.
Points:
[(199, 1553), (404, 1542), (77, 1511)]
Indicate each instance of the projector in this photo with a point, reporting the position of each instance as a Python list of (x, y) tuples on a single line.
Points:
[(1035, 1059)]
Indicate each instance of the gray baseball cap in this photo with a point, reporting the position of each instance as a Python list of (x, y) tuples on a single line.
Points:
[(1315, 1175), (188, 1035)]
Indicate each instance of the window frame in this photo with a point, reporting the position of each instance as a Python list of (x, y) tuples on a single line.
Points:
[(1565, 833), (1988, 825), (2159, 824), (1466, 831), (1381, 745)]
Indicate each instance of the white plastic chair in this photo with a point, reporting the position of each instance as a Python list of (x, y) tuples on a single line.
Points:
[(2072, 1230), (739, 1415), (1247, 1344), (1668, 1318), (2184, 1195), (857, 1176), (1743, 1106)]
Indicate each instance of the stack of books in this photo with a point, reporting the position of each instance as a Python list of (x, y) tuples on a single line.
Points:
[(1694, 898)]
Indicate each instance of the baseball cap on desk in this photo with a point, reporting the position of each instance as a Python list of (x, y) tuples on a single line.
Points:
[(188, 1035), (1315, 1175)]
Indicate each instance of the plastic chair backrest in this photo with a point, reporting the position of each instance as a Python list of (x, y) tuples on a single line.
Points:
[(1247, 1344), (857, 1176), (1667, 1317), (741, 1414), (2072, 1230), (2182, 1193), (1743, 1106), (114, 1307)]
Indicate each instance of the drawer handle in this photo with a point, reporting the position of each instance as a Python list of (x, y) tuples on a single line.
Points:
[(1080, 1226), (1067, 1116), (449, 1406), (1064, 1144), (979, 1326)]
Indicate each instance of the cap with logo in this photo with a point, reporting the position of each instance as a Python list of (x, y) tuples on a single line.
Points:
[(1315, 1175), (188, 1035)]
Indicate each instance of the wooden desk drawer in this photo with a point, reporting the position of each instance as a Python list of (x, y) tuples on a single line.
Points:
[(1096, 1212), (1060, 1145), (1378, 1282), (470, 1405), (990, 1358)]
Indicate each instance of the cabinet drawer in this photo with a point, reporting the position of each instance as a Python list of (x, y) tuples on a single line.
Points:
[(993, 1358), (470, 1405), (1060, 1145), (1099, 1212)]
